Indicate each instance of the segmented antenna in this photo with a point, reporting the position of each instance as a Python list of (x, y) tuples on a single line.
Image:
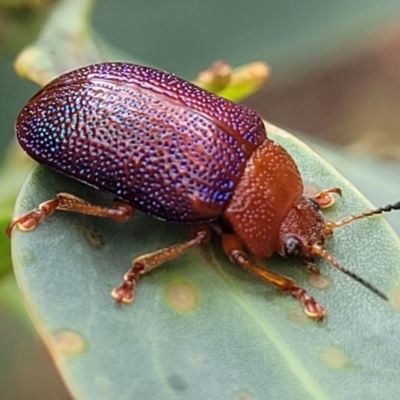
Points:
[(380, 210), (324, 254)]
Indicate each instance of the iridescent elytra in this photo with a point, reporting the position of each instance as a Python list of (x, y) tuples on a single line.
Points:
[(164, 146)]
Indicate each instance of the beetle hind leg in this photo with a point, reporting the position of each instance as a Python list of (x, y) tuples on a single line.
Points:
[(119, 212), (234, 249), (124, 293)]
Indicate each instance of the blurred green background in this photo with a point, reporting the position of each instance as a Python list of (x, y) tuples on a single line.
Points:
[(336, 77)]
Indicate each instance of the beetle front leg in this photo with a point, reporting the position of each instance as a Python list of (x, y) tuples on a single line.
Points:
[(325, 198), (234, 249), (119, 212), (145, 263)]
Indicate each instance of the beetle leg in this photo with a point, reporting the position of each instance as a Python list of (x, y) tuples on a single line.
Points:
[(312, 268), (124, 293), (120, 211), (325, 198), (234, 249)]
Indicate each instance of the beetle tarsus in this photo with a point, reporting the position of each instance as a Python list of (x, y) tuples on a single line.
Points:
[(234, 249), (30, 220), (312, 268), (120, 211), (325, 198), (311, 307), (124, 293)]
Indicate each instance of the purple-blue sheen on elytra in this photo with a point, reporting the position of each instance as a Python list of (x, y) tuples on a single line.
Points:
[(147, 137)]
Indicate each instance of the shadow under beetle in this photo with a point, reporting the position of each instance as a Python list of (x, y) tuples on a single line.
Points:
[(164, 146)]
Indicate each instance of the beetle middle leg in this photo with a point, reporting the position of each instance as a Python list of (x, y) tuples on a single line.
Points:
[(234, 249), (124, 293), (119, 211)]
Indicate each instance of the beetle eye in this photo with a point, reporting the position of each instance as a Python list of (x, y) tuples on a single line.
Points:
[(293, 247)]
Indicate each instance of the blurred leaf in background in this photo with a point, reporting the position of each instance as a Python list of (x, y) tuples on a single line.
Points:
[(352, 102)]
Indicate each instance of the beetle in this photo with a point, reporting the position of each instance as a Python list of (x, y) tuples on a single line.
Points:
[(166, 147)]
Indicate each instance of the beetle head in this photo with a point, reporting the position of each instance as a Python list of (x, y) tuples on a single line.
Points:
[(303, 227), (304, 231)]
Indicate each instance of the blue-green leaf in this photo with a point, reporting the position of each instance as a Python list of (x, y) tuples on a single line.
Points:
[(201, 327)]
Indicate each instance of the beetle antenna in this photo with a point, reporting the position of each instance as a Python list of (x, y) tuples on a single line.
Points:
[(390, 207), (324, 254)]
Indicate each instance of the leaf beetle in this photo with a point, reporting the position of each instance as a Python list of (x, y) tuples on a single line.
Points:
[(164, 146)]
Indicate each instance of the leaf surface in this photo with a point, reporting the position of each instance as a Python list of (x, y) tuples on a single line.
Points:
[(201, 327)]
